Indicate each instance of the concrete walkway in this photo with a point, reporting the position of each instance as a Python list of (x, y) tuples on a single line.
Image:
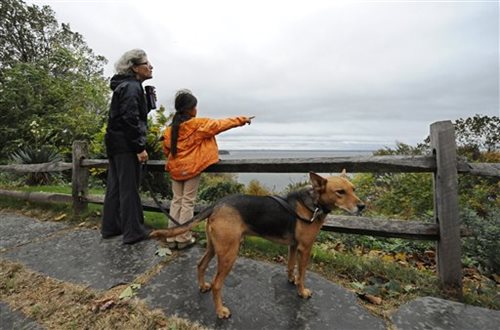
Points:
[(257, 293)]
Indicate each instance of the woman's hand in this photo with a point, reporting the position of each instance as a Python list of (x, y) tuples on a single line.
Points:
[(142, 156)]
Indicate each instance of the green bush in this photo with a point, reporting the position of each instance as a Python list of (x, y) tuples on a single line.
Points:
[(30, 155), (215, 186), (399, 195), (482, 247)]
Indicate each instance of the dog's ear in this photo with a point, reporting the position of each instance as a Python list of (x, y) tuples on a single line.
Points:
[(343, 174), (318, 182)]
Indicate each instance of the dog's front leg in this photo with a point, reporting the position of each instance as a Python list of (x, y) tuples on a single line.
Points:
[(304, 254), (292, 260)]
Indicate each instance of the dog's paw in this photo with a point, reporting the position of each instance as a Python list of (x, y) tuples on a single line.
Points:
[(205, 287), (305, 293), (223, 313)]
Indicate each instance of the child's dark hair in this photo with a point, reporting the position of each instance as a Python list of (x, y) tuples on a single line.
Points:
[(184, 101)]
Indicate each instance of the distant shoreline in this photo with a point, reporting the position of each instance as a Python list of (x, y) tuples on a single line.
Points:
[(277, 182), (296, 150)]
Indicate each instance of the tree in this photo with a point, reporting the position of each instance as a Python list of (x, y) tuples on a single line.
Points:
[(50, 78), (25, 32), (478, 137)]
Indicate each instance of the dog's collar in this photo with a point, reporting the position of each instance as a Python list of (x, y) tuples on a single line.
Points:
[(316, 209)]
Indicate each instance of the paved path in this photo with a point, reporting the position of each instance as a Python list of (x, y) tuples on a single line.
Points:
[(257, 292)]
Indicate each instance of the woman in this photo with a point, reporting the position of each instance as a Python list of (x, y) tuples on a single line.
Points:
[(190, 146), (126, 148)]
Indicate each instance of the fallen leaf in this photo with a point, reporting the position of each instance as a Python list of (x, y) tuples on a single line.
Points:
[(400, 256), (408, 288), (107, 305), (59, 218), (388, 258), (163, 252), (102, 304), (129, 292), (374, 253), (371, 299), (420, 265), (357, 251), (430, 254), (279, 259), (358, 285), (339, 247)]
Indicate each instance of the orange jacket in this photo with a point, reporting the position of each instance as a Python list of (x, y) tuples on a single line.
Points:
[(196, 145)]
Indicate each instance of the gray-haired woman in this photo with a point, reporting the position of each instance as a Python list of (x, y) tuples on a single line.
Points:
[(126, 148)]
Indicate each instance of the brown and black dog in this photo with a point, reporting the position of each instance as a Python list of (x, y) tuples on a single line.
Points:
[(295, 221)]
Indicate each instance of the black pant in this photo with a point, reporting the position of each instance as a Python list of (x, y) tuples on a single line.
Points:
[(122, 212)]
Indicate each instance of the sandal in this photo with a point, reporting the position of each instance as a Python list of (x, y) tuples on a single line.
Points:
[(184, 245)]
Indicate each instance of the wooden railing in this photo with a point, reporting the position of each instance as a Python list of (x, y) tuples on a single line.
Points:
[(443, 163)]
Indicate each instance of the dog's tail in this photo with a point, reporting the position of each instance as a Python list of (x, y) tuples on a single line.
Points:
[(170, 232)]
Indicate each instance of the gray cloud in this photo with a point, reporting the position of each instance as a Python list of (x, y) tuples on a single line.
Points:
[(316, 74)]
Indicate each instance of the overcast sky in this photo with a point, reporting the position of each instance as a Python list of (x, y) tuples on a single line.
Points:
[(316, 74)]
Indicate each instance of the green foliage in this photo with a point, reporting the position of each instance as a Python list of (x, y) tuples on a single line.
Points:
[(480, 194), (295, 186), (215, 186), (254, 187), (23, 32), (401, 195), (44, 154), (48, 76), (159, 181), (410, 196), (403, 149), (482, 247), (482, 132)]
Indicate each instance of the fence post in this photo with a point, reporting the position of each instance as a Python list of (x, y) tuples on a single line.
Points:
[(80, 178), (445, 182)]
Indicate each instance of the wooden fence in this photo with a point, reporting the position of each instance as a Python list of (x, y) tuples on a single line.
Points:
[(443, 163)]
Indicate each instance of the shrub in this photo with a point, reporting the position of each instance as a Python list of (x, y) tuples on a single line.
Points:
[(481, 248), (256, 188), (29, 155), (215, 186)]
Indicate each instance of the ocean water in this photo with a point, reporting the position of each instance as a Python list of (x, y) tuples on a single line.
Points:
[(277, 182)]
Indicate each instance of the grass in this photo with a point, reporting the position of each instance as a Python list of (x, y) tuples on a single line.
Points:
[(93, 214), (60, 305)]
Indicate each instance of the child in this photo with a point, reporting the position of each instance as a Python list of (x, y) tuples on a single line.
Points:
[(190, 146)]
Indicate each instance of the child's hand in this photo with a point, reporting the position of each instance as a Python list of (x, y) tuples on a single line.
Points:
[(249, 119)]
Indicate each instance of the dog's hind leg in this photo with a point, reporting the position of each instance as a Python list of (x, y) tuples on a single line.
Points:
[(203, 264), (292, 260)]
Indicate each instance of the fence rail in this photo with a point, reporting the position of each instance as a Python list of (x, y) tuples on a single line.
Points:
[(443, 163), (360, 164)]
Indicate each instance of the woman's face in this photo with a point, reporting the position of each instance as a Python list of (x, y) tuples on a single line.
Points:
[(143, 70)]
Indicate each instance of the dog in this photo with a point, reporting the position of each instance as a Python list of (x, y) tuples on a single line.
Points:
[(294, 220)]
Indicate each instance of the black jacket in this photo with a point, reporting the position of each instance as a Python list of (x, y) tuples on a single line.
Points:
[(128, 115)]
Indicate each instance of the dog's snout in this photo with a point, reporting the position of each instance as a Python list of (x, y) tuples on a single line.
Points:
[(361, 207)]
